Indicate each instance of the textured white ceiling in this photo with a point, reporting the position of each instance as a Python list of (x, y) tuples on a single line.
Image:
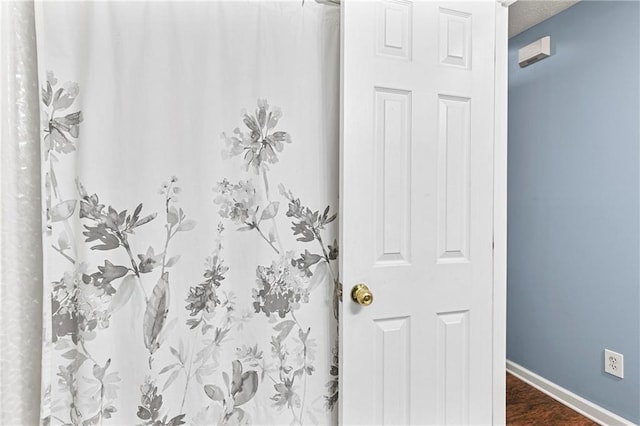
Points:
[(524, 14)]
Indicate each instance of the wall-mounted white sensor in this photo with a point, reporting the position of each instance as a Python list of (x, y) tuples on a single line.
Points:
[(534, 52)]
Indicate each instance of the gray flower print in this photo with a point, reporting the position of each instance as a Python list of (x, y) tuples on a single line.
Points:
[(261, 143), (237, 202), (60, 129), (282, 287)]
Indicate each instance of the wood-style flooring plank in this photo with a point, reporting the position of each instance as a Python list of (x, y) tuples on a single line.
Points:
[(527, 406)]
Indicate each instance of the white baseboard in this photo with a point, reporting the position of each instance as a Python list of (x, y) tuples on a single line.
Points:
[(568, 398)]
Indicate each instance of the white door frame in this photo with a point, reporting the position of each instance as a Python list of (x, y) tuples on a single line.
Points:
[(500, 214), (499, 206)]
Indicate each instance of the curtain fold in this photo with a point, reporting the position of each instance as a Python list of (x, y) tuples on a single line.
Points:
[(20, 225), (190, 185)]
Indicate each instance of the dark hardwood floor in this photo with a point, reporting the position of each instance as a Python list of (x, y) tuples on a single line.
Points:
[(526, 405)]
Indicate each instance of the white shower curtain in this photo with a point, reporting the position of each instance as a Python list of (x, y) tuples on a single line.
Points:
[(190, 177)]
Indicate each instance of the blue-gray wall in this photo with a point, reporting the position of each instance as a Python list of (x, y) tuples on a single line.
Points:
[(574, 192)]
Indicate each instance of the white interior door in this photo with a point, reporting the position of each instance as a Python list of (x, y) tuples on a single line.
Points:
[(417, 228)]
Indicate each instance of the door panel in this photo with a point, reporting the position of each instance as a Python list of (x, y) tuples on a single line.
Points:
[(417, 219)]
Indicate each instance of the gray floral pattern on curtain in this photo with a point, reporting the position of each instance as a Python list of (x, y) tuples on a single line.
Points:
[(86, 298)]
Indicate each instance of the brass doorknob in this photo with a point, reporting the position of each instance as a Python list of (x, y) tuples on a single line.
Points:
[(361, 294)]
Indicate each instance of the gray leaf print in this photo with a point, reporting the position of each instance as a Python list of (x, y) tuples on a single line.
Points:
[(156, 313)]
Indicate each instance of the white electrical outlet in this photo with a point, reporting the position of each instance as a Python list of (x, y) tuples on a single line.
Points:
[(614, 363)]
